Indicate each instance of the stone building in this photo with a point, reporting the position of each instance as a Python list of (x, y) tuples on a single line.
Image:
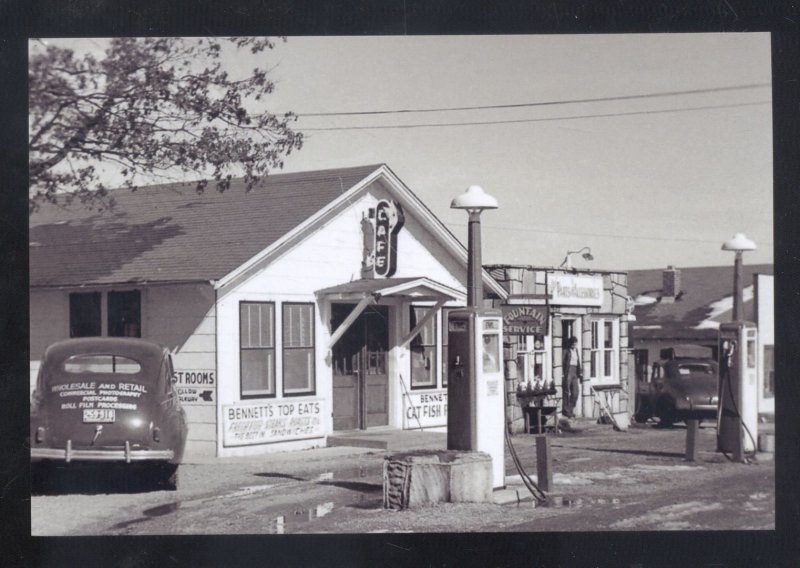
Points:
[(546, 306)]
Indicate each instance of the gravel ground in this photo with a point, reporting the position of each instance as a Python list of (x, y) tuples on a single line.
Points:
[(603, 480)]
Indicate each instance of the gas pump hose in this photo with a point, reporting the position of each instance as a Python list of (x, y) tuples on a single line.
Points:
[(539, 495), (739, 416)]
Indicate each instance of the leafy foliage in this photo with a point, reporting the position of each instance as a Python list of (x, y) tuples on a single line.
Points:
[(150, 107)]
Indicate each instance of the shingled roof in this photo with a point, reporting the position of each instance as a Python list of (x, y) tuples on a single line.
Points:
[(169, 233), (693, 309)]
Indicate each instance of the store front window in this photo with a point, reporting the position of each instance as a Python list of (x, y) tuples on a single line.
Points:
[(532, 363), (423, 350)]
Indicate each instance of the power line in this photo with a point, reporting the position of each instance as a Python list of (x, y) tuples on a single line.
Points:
[(609, 235), (543, 103), (524, 120)]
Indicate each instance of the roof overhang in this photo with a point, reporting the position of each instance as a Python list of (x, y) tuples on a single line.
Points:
[(414, 289), (389, 181)]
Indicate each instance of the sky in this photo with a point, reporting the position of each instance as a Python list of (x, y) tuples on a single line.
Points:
[(644, 181)]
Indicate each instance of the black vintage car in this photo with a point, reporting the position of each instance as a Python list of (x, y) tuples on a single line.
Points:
[(683, 386), (107, 400)]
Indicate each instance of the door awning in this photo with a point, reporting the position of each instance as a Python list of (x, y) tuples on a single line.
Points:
[(418, 289), (367, 292)]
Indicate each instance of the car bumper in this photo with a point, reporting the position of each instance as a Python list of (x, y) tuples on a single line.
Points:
[(696, 410), (126, 455)]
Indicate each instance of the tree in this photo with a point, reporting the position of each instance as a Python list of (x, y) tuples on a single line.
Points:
[(160, 107)]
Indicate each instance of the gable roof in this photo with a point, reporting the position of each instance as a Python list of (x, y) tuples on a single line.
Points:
[(705, 298), (169, 233)]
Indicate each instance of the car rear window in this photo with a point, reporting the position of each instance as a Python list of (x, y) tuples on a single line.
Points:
[(107, 364), (695, 369)]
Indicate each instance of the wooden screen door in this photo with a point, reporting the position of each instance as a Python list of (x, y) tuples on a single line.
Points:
[(360, 382)]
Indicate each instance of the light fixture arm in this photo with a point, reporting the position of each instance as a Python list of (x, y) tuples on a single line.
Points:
[(567, 262)]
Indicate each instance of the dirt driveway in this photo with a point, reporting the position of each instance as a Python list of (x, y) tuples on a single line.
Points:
[(636, 480)]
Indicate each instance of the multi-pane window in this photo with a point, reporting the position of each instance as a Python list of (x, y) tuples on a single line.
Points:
[(603, 349), (124, 314), (84, 314), (257, 348), (423, 350), (531, 358), (298, 349), (608, 349)]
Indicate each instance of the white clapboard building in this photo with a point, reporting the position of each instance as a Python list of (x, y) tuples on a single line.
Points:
[(309, 305)]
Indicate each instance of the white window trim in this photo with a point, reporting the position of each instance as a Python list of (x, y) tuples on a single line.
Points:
[(602, 379), (546, 351), (435, 384)]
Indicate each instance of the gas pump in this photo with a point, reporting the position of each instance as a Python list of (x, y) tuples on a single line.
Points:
[(737, 416), (476, 407)]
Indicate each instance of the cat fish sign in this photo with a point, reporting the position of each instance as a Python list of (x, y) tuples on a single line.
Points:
[(389, 220)]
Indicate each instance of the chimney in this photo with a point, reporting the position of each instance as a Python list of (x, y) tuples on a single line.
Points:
[(671, 284)]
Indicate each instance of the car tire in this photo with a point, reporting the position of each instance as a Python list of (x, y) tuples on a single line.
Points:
[(169, 476), (162, 477)]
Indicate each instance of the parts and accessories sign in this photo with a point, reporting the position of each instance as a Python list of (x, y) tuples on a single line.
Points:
[(274, 421)]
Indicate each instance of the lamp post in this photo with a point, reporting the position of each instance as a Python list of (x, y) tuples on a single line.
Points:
[(475, 386), (738, 243), (567, 262), (474, 200)]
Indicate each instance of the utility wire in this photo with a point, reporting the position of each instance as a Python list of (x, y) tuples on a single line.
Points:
[(610, 235), (524, 120), (542, 103)]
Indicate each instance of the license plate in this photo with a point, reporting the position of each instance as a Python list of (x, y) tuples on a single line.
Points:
[(99, 415)]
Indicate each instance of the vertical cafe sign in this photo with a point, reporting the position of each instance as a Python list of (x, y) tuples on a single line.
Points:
[(389, 220)]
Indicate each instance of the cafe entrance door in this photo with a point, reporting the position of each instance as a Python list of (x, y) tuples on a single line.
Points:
[(360, 380)]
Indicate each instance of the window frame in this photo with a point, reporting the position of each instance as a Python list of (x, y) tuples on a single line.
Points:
[(312, 391), (99, 315), (527, 352), (600, 354), (426, 347), (121, 293), (274, 350), (444, 318)]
